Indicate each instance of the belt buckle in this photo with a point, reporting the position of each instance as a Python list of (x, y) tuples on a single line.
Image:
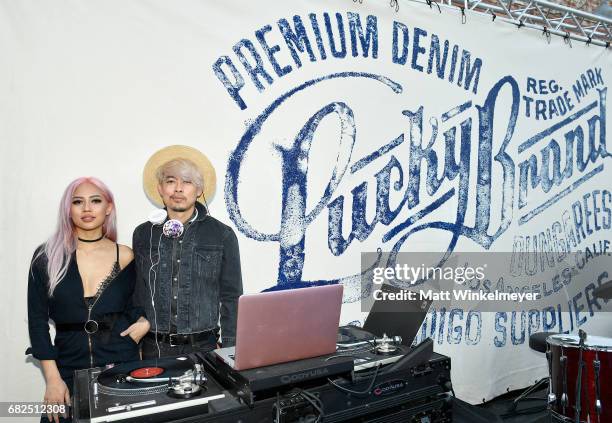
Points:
[(170, 339), (91, 327)]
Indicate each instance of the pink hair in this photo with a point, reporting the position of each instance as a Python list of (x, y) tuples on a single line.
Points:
[(60, 246)]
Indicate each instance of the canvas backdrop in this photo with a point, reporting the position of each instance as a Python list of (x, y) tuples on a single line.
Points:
[(321, 119)]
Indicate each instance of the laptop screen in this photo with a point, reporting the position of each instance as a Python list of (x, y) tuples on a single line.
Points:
[(396, 318), (281, 326)]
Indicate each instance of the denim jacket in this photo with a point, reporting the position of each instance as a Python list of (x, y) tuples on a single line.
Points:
[(210, 280)]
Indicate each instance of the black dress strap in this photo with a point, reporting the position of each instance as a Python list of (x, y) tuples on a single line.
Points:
[(117, 246)]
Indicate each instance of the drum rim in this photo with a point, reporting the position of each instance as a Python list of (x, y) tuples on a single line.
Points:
[(556, 341)]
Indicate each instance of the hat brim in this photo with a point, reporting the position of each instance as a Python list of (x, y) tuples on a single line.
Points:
[(149, 178)]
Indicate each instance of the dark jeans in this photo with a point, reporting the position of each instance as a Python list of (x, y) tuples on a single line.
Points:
[(149, 349)]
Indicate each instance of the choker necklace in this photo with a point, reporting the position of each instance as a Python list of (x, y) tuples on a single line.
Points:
[(90, 240)]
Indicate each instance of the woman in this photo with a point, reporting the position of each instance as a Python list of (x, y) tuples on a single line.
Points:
[(82, 280)]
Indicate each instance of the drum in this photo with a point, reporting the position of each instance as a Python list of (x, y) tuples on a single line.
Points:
[(587, 392)]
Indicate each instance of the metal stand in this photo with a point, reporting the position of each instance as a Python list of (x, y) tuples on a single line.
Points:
[(513, 408), (549, 18)]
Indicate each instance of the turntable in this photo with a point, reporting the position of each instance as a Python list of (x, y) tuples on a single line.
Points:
[(144, 391), (367, 350)]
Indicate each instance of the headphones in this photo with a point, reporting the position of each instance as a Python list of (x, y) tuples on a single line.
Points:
[(172, 228), (157, 216)]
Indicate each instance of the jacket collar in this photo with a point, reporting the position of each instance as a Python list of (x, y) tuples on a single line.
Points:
[(202, 212)]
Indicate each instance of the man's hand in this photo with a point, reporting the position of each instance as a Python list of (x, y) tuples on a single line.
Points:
[(137, 330), (57, 393)]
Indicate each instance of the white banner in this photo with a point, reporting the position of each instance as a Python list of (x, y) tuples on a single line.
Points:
[(335, 128)]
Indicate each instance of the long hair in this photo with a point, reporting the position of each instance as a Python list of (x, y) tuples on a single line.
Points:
[(59, 247)]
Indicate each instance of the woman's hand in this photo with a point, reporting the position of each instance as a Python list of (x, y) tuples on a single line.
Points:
[(137, 330), (57, 393)]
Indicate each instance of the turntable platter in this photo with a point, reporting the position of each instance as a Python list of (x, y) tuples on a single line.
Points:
[(144, 377), (349, 335)]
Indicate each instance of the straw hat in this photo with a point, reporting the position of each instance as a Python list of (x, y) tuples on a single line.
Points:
[(149, 179)]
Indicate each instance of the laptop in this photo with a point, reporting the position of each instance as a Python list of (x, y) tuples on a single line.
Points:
[(281, 326), (396, 318)]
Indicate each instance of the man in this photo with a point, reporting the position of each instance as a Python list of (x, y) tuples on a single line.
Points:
[(188, 281)]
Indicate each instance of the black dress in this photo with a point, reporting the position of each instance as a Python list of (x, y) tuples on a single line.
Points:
[(111, 310)]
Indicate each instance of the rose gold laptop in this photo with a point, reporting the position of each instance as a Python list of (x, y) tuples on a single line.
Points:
[(281, 326)]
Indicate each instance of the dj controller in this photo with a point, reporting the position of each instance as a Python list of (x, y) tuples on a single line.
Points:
[(366, 380)]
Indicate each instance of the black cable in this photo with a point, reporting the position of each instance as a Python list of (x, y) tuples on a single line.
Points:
[(342, 356), (368, 344), (362, 344), (463, 17), (314, 401), (395, 4), (314, 398), (350, 391), (315, 406)]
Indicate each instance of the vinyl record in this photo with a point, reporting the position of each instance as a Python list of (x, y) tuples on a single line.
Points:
[(147, 372), (153, 376), (353, 334)]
